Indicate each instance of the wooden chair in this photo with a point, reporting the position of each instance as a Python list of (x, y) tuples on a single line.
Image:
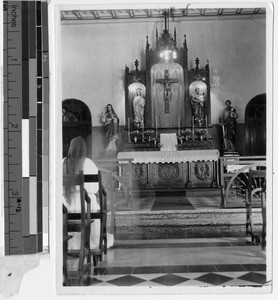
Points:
[(256, 185), (81, 224), (66, 238)]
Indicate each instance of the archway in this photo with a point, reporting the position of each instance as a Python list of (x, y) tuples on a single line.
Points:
[(255, 124), (77, 121)]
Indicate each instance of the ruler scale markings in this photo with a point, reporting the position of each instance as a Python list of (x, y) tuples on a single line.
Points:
[(26, 87), (14, 89), (45, 123)]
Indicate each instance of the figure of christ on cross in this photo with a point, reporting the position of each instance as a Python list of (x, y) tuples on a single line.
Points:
[(167, 81)]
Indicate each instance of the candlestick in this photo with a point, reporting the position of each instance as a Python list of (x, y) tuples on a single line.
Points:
[(155, 126), (206, 122), (128, 128), (143, 132), (193, 128)]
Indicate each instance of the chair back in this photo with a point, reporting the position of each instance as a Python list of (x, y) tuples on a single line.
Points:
[(101, 191), (77, 180)]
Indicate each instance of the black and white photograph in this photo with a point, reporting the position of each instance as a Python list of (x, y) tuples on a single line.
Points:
[(141, 160), (169, 105)]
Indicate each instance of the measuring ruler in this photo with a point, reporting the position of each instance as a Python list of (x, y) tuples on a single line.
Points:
[(26, 115)]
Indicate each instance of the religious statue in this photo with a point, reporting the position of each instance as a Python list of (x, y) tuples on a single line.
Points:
[(197, 104), (110, 121), (138, 108), (228, 122)]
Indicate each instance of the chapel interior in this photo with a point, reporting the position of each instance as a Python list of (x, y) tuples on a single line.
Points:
[(185, 178)]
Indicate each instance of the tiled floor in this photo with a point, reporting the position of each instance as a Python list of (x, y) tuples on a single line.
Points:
[(180, 262), (157, 259)]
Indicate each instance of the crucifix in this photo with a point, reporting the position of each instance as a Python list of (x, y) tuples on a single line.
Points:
[(167, 81)]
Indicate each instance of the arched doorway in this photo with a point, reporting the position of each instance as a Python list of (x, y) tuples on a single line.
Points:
[(77, 121), (255, 124)]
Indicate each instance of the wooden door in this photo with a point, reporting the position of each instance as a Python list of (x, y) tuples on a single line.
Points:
[(255, 124)]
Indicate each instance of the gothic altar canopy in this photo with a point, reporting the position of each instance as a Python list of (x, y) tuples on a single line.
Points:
[(167, 97)]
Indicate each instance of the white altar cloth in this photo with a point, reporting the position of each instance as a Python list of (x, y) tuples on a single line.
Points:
[(142, 157), (168, 141)]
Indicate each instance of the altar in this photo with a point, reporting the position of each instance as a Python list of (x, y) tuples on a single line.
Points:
[(172, 169), (168, 119)]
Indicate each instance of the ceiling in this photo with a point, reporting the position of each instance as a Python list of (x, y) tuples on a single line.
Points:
[(83, 15)]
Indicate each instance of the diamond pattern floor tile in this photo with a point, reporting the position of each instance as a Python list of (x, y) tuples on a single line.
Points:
[(254, 277), (127, 280), (213, 278), (170, 279)]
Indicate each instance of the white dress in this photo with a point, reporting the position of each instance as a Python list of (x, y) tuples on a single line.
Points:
[(73, 205)]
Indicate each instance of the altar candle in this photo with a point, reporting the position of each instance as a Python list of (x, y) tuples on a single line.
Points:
[(128, 128), (143, 132), (193, 129), (179, 124), (206, 122), (156, 126)]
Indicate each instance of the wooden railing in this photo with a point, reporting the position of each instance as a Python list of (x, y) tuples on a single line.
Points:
[(233, 174)]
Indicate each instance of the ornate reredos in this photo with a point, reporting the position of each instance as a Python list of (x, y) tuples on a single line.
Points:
[(163, 96)]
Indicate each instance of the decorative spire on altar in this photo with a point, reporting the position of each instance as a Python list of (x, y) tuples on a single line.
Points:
[(166, 45)]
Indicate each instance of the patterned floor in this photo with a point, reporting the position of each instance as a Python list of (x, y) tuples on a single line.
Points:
[(179, 263), (204, 275), (179, 259)]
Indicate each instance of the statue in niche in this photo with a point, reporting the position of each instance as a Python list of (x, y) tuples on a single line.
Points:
[(197, 104), (138, 108), (228, 122), (111, 122)]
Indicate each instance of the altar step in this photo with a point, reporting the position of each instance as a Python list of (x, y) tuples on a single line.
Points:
[(226, 222), (189, 192), (209, 192)]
